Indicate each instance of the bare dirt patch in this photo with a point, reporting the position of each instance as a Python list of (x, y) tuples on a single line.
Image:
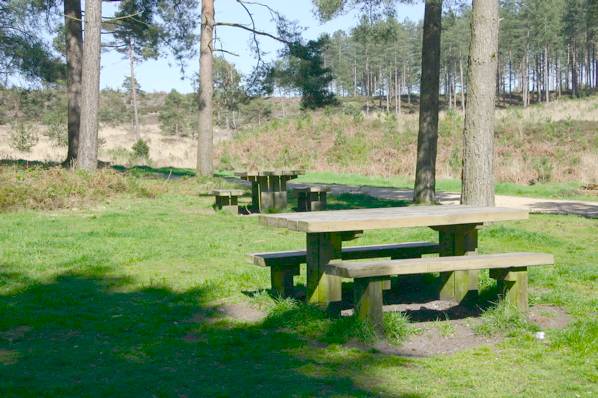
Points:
[(549, 317), (446, 328), (440, 337), (241, 312)]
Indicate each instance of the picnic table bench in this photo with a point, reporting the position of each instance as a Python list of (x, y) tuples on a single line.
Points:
[(457, 228), (269, 188), (227, 199), (285, 264)]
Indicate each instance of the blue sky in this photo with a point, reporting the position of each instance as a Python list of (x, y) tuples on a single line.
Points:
[(164, 74)]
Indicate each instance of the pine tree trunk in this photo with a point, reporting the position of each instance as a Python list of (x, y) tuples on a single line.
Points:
[(546, 76), (574, 82), (74, 59), (427, 139), (478, 134), (87, 154), (206, 133), (133, 82), (462, 85)]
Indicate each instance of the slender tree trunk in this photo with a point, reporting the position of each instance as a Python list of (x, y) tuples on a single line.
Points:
[(389, 87), (538, 79), (546, 76), (133, 82), (74, 59), (462, 85), (87, 152), (559, 76), (478, 134), (206, 133), (574, 82), (510, 74), (427, 139)]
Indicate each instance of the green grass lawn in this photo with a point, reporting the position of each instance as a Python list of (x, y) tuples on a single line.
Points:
[(119, 300)]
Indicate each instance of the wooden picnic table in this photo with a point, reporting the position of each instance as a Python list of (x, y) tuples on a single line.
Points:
[(269, 188), (457, 228)]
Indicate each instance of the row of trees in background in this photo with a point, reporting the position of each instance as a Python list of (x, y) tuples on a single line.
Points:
[(377, 59), (545, 46)]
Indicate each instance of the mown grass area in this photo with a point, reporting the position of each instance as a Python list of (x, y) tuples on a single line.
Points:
[(120, 299), (553, 190)]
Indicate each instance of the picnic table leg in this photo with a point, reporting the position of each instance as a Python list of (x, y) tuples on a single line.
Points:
[(279, 188), (368, 301), (266, 193), (255, 195), (458, 240), (512, 285), (323, 290)]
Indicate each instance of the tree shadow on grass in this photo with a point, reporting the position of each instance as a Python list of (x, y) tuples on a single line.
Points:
[(361, 201), (161, 172), (88, 334)]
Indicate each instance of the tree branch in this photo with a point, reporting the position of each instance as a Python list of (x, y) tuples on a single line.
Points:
[(254, 31), (226, 51)]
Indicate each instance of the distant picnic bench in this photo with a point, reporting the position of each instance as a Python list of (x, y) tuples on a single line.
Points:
[(269, 188), (458, 263)]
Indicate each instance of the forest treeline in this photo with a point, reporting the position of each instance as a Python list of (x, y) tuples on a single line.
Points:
[(546, 48)]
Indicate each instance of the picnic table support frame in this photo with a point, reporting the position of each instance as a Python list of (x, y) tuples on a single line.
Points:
[(512, 286), (368, 301), (281, 279), (269, 192), (458, 240), (323, 289)]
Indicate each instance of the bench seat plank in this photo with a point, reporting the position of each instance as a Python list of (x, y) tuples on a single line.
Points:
[(409, 249), (437, 264)]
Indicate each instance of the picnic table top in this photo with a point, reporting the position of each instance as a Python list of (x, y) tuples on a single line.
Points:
[(390, 217), (267, 173)]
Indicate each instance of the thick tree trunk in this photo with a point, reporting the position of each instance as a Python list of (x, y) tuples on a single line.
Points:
[(74, 59), (478, 134), (87, 154), (427, 139), (206, 133), (133, 82)]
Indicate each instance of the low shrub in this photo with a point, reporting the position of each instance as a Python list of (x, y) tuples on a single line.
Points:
[(55, 188), (23, 136)]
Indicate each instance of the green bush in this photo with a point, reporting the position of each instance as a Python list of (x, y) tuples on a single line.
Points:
[(22, 136), (543, 169), (177, 116), (141, 149)]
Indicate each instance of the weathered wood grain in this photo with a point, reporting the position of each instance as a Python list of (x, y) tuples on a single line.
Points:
[(393, 217), (437, 264)]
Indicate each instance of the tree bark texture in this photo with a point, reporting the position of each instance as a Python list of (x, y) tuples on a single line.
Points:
[(478, 134), (205, 136), (87, 154), (427, 139), (74, 58), (133, 82)]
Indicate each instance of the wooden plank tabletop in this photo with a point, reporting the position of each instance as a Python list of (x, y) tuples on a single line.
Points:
[(264, 173), (390, 217)]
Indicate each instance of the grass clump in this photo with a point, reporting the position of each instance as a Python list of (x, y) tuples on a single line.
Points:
[(504, 318), (312, 322), (397, 327)]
